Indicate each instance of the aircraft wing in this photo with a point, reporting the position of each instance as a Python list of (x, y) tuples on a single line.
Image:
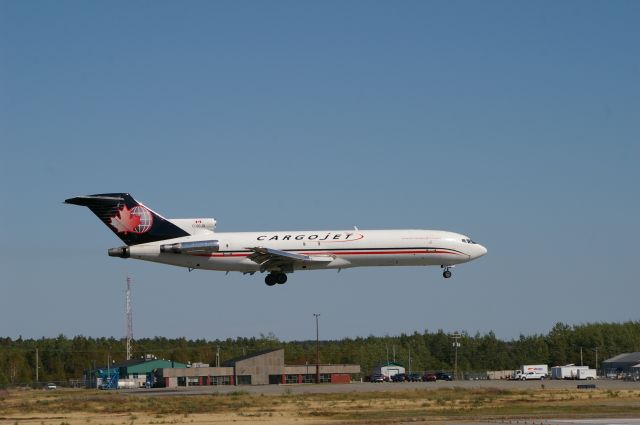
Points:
[(269, 258)]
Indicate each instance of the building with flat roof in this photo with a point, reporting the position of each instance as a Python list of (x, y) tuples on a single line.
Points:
[(262, 368)]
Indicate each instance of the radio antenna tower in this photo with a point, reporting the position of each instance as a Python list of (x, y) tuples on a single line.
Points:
[(129, 320)]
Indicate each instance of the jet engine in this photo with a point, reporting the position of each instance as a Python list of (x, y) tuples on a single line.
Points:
[(198, 247), (195, 225)]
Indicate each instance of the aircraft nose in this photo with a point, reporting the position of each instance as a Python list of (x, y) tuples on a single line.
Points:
[(481, 251)]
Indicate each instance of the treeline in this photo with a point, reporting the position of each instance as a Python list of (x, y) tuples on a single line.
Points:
[(61, 359)]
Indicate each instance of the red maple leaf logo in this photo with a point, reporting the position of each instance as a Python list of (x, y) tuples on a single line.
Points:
[(124, 221)]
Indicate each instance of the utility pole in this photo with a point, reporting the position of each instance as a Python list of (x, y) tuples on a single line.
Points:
[(109, 368), (596, 349), (581, 357), (129, 316), (317, 349), (217, 356), (456, 336), (37, 365)]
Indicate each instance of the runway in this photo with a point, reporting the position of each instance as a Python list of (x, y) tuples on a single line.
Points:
[(382, 387)]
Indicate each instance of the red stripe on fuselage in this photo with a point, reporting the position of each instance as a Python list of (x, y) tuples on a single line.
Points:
[(376, 252), (341, 253)]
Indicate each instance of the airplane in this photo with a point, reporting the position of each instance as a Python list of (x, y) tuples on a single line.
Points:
[(193, 243)]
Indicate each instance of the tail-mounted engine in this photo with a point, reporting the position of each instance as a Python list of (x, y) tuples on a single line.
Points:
[(198, 247), (195, 225)]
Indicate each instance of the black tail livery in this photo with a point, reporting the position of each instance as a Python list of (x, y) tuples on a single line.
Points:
[(129, 219)]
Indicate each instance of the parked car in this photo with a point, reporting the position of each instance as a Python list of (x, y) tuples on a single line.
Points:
[(442, 376), (377, 377), (51, 386), (399, 377), (429, 377), (414, 377)]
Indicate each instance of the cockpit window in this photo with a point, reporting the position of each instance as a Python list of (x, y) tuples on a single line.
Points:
[(468, 241)]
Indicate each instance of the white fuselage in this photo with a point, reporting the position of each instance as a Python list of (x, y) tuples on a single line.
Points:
[(340, 248)]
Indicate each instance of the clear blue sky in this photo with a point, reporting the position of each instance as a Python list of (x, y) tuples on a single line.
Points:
[(515, 122)]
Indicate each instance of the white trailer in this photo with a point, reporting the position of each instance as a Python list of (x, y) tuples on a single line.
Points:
[(569, 371), (539, 369), (587, 374), (499, 374)]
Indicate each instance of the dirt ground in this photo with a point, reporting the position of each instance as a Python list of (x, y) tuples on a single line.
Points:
[(398, 405)]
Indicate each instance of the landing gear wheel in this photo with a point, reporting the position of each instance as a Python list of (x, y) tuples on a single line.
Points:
[(281, 278), (447, 271), (270, 279)]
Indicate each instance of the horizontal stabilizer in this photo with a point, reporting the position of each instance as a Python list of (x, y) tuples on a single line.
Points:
[(91, 200)]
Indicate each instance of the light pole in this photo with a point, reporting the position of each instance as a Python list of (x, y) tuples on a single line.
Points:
[(109, 368), (456, 336), (317, 349), (581, 364)]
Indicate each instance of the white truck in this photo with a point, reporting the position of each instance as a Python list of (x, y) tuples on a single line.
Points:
[(531, 371)]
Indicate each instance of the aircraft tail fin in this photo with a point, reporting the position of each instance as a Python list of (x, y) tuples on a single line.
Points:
[(130, 220)]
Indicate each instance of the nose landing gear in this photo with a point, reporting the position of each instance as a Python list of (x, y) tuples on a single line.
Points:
[(447, 272), (275, 277)]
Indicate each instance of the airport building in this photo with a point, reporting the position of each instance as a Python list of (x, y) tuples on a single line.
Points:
[(262, 368), (388, 369), (134, 373), (622, 365)]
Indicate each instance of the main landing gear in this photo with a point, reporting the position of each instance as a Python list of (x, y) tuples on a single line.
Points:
[(447, 272), (275, 277)]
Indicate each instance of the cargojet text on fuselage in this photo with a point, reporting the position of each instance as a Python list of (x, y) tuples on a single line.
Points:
[(193, 243)]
